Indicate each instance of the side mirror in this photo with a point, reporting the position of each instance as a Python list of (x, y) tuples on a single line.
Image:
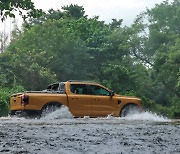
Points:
[(112, 93)]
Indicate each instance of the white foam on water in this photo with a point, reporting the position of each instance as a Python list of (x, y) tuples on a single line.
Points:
[(147, 116), (62, 113), (11, 118), (65, 114)]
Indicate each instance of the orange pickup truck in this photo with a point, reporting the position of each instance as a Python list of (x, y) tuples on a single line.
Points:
[(82, 99)]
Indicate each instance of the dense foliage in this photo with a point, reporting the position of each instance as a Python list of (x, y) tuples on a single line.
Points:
[(5, 94), (141, 60), (25, 8)]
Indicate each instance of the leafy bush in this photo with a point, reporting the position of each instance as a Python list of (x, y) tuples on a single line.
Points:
[(4, 102), (5, 94)]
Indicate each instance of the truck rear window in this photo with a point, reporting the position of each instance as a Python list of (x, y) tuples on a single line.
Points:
[(58, 88)]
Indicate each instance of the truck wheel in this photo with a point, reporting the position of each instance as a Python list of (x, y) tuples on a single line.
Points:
[(49, 109), (130, 109), (12, 113)]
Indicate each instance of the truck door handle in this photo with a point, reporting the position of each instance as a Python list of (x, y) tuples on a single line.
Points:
[(74, 98), (96, 99)]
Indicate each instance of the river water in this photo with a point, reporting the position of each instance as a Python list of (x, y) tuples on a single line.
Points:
[(60, 133)]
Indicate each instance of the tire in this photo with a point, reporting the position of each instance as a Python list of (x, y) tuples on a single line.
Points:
[(130, 109), (49, 109), (13, 113)]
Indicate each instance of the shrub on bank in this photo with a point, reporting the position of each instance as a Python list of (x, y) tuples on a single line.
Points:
[(5, 94), (4, 101)]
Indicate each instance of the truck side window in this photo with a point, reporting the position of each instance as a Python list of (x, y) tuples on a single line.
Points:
[(96, 90), (79, 89)]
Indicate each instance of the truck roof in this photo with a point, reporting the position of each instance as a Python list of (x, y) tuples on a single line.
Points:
[(82, 81)]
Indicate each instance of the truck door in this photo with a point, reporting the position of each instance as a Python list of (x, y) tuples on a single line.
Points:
[(102, 103), (79, 100)]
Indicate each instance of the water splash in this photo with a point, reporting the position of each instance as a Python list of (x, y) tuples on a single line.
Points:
[(147, 116), (62, 113)]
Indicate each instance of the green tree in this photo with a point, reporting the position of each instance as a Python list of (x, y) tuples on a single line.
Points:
[(154, 41), (7, 8), (74, 11), (141, 60), (69, 12)]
